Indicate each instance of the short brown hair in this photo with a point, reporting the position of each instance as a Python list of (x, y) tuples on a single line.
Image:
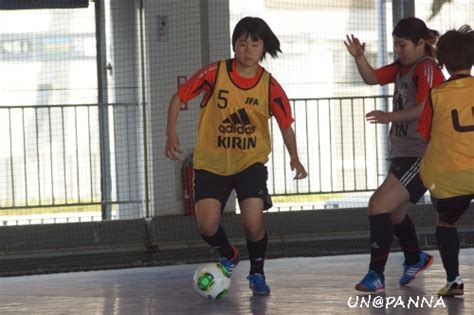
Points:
[(455, 49)]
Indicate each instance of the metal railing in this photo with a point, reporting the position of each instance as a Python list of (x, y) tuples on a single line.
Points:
[(50, 155), (340, 150)]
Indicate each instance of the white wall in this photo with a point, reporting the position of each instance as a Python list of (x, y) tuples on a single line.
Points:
[(125, 129), (178, 50)]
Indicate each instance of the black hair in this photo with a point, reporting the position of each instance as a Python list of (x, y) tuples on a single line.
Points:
[(414, 29), (455, 49), (257, 29)]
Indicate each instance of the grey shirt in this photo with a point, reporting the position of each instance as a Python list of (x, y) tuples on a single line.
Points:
[(404, 139)]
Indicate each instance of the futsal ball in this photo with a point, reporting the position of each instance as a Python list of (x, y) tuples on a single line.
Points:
[(211, 281)]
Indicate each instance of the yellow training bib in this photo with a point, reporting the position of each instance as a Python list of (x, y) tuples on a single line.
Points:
[(447, 168), (233, 130)]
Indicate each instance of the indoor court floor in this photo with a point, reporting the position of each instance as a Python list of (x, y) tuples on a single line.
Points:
[(319, 285)]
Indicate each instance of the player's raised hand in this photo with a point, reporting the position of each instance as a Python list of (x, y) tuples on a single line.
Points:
[(173, 147), (300, 170), (354, 46)]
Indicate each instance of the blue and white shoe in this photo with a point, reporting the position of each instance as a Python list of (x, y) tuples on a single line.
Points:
[(372, 282), (230, 264), (258, 285), (410, 271)]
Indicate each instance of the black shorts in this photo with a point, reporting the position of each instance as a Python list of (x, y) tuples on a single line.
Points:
[(250, 183), (451, 209), (407, 170)]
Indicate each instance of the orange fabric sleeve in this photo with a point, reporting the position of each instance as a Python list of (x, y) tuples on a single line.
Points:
[(388, 73), (427, 75), (423, 126), (203, 80), (280, 105)]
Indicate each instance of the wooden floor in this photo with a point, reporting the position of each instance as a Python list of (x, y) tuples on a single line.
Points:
[(323, 285)]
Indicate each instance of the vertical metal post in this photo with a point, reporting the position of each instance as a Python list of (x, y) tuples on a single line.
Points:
[(204, 14), (105, 173), (402, 9), (142, 48), (382, 59)]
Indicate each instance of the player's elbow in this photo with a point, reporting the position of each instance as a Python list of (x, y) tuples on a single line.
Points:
[(368, 76), (370, 82), (370, 79)]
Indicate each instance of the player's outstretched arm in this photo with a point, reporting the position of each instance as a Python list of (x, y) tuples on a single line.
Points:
[(406, 115), (173, 148), (357, 50), (290, 142)]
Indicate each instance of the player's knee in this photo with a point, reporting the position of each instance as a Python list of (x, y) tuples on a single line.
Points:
[(207, 229), (374, 206), (397, 217), (255, 232), (377, 205)]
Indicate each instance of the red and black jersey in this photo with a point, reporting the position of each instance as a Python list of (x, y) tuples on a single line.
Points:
[(204, 81)]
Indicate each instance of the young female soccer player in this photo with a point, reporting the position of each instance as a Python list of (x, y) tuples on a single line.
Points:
[(233, 142), (414, 73), (447, 168)]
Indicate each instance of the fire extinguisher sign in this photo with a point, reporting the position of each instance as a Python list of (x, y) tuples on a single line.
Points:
[(181, 79)]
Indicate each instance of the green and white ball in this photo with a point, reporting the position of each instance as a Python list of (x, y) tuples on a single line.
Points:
[(211, 281)]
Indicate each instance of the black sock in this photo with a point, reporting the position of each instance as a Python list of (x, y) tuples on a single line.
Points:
[(448, 245), (381, 230), (406, 234), (220, 243), (257, 254)]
